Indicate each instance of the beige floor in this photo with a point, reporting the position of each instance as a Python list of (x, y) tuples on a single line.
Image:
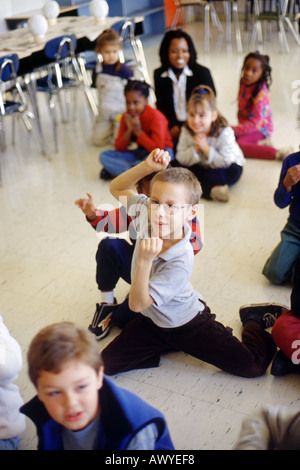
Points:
[(47, 254)]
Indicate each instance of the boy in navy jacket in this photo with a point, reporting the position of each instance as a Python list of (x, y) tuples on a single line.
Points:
[(76, 407)]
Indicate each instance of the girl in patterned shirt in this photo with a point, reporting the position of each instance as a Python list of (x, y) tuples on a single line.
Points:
[(254, 111)]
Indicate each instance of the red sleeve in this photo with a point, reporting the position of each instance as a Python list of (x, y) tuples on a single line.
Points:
[(120, 144), (156, 136), (195, 238), (114, 221)]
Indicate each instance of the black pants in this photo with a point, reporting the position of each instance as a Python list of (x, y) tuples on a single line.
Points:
[(141, 344), (295, 295), (210, 177), (113, 260)]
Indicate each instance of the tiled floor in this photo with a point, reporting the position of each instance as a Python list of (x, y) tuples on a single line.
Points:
[(47, 254)]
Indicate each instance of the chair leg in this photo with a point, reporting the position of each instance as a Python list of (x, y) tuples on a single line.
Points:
[(2, 135), (206, 27), (86, 83), (175, 19), (52, 114), (38, 133), (292, 29), (282, 38), (227, 10), (253, 37), (215, 18), (140, 56), (62, 106), (237, 28)]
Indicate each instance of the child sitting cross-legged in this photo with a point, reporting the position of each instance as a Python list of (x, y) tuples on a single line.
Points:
[(77, 407), (142, 129), (173, 316), (207, 146)]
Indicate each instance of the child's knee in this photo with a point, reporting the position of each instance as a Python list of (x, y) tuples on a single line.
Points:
[(107, 246), (274, 274)]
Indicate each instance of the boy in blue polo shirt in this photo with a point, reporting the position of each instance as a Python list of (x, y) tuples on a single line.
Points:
[(173, 315)]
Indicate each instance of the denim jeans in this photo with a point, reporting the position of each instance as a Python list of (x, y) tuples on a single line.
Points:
[(279, 267), (10, 444), (116, 162)]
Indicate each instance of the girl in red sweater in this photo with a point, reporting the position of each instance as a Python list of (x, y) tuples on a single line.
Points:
[(141, 127)]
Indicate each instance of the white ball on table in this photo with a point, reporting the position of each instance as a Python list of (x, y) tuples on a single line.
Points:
[(38, 25), (99, 9)]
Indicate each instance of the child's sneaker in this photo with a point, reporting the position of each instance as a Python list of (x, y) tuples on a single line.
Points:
[(264, 314), (266, 142), (220, 193), (282, 365), (281, 154), (102, 321)]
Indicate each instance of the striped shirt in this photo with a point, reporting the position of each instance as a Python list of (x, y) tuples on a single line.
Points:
[(118, 221)]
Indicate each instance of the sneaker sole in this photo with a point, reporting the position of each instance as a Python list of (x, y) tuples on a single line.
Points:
[(98, 337), (284, 307)]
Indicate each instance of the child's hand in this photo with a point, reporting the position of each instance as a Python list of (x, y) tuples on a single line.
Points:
[(292, 177), (200, 139), (150, 248), (136, 125), (175, 132), (128, 122), (158, 160), (87, 206), (201, 143)]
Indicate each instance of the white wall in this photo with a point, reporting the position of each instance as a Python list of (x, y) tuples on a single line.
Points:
[(12, 7)]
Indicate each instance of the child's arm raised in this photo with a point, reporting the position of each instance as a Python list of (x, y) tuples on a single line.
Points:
[(122, 185)]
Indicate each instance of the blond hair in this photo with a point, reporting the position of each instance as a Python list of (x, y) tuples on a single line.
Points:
[(58, 343), (204, 93), (183, 176), (108, 36)]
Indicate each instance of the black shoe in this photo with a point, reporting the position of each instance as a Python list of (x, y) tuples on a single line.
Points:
[(105, 175), (282, 365), (264, 314), (102, 321)]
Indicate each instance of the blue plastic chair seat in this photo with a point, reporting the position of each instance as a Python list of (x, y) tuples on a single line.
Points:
[(48, 85), (11, 107)]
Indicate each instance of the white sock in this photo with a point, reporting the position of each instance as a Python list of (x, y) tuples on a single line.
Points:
[(107, 297)]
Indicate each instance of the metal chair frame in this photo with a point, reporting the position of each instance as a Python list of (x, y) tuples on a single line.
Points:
[(209, 10), (281, 15), (66, 73), (13, 103)]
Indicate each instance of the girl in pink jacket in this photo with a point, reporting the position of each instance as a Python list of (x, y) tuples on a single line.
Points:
[(255, 125)]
